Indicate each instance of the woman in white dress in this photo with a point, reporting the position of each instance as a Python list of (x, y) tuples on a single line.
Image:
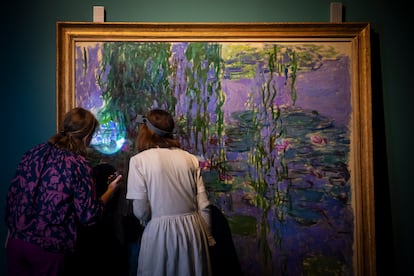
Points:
[(170, 199)]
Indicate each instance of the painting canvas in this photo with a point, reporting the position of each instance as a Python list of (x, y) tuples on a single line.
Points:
[(276, 123)]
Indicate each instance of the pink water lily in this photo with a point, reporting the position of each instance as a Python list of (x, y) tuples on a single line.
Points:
[(318, 140), (226, 177), (282, 145), (205, 164)]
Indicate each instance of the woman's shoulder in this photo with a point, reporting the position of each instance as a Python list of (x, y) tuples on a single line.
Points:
[(177, 151), (153, 152), (37, 151), (39, 147), (163, 151), (186, 155), (58, 153)]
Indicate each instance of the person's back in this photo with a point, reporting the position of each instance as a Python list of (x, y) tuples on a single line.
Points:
[(51, 192), (39, 199), (170, 178), (169, 196)]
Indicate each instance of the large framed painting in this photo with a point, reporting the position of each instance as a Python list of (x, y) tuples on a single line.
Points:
[(279, 115)]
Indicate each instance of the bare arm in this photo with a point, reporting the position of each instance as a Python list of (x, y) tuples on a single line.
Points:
[(112, 188)]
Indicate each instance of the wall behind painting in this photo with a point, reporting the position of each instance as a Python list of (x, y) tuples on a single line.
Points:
[(28, 94)]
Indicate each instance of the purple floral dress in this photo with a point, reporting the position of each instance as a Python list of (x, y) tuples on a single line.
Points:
[(52, 191)]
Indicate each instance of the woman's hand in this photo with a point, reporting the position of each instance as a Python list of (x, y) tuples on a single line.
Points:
[(115, 182), (112, 188)]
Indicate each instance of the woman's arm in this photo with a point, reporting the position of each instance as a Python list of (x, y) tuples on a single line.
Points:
[(112, 188), (142, 210)]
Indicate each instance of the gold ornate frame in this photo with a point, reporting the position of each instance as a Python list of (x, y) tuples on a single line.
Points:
[(357, 35)]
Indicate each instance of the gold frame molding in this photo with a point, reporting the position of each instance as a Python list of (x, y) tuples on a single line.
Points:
[(356, 34)]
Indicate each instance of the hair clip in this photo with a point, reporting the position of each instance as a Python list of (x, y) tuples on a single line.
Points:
[(141, 119)]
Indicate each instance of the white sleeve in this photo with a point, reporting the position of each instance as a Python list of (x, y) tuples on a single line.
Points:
[(142, 210), (136, 186), (137, 191)]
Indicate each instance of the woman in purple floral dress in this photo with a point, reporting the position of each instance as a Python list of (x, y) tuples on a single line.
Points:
[(53, 190)]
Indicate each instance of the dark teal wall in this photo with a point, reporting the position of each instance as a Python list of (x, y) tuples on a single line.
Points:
[(28, 87)]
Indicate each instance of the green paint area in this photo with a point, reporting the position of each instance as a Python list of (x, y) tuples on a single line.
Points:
[(242, 225), (322, 266)]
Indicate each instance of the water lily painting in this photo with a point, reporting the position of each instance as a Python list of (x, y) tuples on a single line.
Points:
[(278, 119)]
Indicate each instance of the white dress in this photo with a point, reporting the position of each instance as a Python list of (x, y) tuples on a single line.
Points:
[(175, 239)]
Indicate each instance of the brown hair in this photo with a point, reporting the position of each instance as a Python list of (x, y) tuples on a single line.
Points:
[(148, 139), (79, 126)]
